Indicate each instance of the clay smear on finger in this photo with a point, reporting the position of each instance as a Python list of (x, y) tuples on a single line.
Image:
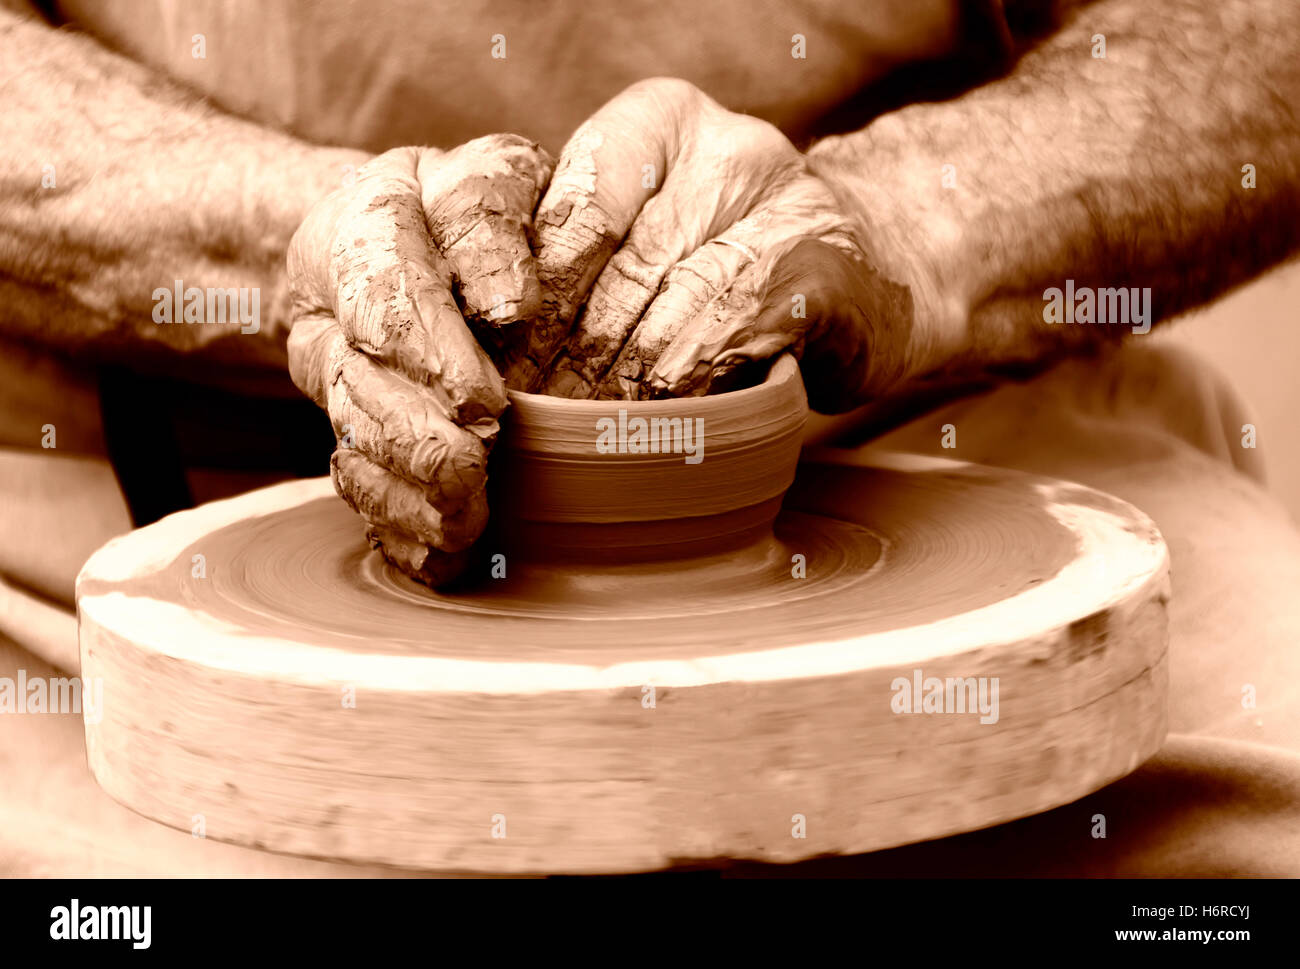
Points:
[(394, 422), (690, 209), (717, 339), (573, 238), (431, 566), (622, 292), (382, 497), (478, 200), (393, 298), (721, 336), (687, 288)]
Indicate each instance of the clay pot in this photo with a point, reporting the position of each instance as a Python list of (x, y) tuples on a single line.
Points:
[(594, 480)]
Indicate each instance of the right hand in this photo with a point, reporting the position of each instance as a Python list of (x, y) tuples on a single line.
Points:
[(679, 284), (379, 341)]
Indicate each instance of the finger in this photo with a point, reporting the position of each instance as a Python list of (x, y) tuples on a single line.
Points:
[(393, 421), (385, 499), (669, 227), (600, 185), (431, 566), (607, 171), (721, 174), (796, 206), (719, 338), (846, 321), (386, 416), (390, 290), (687, 289), (478, 200), (625, 287), (311, 341)]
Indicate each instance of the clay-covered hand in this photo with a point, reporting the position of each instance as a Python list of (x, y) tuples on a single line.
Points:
[(700, 243), (379, 340)]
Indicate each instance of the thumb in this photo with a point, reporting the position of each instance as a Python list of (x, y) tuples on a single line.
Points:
[(857, 323)]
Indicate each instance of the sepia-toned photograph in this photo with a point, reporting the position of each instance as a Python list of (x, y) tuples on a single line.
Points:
[(715, 439)]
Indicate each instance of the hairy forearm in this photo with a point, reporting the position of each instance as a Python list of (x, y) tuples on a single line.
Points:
[(1125, 171), (115, 184)]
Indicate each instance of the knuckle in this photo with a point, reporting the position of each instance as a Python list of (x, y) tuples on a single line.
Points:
[(761, 140), (642, 259), (390, 163), (524, 154), (669, 90)]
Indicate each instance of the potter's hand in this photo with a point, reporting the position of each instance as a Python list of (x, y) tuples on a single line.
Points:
[(705, 243), (379, 341)]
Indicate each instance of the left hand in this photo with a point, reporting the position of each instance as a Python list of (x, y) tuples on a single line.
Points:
[(701, 242), (387, 274)]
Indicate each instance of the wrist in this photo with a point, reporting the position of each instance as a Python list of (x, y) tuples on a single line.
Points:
[(907, 237), (276, 199)]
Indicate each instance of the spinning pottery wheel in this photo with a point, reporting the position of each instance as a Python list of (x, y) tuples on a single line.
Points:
[(669, 670)]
